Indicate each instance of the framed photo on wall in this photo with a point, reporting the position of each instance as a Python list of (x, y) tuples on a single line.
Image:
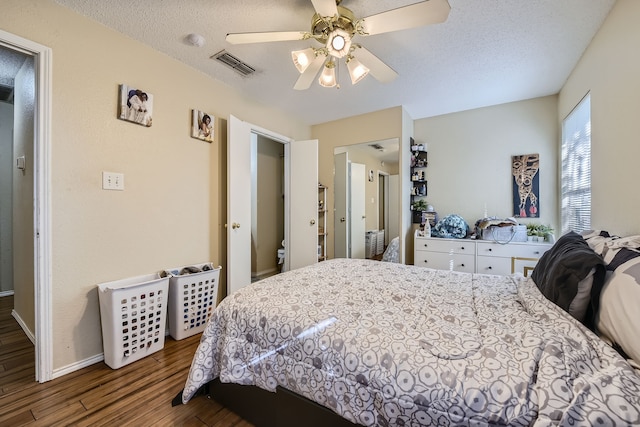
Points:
[(135, 105), (202, 125), (526, 185)]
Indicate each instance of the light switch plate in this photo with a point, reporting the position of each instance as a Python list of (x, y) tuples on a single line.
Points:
[(112, 181)]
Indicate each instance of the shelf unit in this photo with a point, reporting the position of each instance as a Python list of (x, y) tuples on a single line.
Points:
[(322, 222), (419, 162)]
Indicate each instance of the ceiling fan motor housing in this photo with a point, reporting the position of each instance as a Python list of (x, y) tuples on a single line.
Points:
[(321, 27)]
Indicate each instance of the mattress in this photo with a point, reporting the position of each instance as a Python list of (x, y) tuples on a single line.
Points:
[(389, 344)]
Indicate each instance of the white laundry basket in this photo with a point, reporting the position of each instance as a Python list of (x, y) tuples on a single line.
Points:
[(370, 243), (192, 299), (379, 242), (133, 313)]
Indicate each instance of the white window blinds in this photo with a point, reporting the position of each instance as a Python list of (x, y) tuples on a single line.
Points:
[(576, 168)]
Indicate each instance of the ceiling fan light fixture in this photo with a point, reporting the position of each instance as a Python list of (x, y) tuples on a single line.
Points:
[(357, 71), (339, 43), (302, 58), (328, 76)]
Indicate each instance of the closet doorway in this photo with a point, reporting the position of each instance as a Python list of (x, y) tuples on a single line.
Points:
[(300, 201), (267, 207)]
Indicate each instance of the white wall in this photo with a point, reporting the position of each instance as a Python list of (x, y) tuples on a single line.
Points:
[(610, 70), (470, 158), (6, 205)]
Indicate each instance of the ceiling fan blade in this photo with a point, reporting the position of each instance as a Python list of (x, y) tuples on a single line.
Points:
[(325, 7), (378, 69), (412, 16), (309, 75), (273, 36)]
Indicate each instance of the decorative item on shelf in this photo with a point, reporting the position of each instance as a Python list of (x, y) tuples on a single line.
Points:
[(419, 205), (540, 233), (451, 226)]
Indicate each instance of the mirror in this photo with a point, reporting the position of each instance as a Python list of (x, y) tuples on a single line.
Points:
[(366, 198)]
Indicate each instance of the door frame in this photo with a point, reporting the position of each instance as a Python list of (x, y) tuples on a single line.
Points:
[(287, 173), (385, 206), (239, 128), (42, 201)]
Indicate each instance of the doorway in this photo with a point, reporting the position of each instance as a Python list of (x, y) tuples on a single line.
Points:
[(32, 261), (381, 197), (267, 207), (300, 203)]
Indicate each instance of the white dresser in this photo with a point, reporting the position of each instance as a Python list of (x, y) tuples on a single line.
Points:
[(477, 256)]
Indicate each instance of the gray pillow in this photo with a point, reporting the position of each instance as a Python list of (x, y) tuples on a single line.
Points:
[(561, 272)]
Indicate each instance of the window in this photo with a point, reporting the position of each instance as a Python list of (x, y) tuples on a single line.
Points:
[(575, 195)]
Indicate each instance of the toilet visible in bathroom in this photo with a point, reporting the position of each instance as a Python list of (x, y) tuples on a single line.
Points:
[(281, 257)]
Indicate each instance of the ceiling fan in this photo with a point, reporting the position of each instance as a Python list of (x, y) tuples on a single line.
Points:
[(334, 27)]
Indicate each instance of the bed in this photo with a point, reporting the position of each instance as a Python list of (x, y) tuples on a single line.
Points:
[(387, 344)]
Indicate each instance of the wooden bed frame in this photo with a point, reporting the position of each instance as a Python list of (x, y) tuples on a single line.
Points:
[(262, 408)]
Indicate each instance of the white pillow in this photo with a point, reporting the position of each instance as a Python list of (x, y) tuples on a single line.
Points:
[(618, 318)]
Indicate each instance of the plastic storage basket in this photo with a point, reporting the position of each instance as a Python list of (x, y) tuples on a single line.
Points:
[(379, 242), (192, 298), (370, 243), (133, 313)]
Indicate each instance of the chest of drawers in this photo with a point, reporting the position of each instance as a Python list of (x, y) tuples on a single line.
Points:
[(445, 254), (477, 256)]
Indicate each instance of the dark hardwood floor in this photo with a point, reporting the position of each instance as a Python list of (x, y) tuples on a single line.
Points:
[(138, 394)]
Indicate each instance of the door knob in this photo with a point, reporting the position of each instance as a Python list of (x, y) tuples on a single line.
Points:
[(235, 225), (313, 221), (342, 219)]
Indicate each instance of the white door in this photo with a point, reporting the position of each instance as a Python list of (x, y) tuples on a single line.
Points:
[(238, 204), (301, 189), (303, 204), (358, 212), (341, 203), (394, 203)]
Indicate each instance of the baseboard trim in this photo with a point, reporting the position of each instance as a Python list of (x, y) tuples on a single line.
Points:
[(269, 271), (24, 327), (77, 366), (6, 294), (81, 364)]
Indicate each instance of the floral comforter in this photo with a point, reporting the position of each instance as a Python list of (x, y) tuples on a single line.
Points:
[(390, 344)]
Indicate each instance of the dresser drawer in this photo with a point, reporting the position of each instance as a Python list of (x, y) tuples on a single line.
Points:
[(516, 250), (445, 245), (493, 265), (445, 261)]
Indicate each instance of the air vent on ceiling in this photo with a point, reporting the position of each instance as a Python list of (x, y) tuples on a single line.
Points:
[(377, 146), (233, 62)]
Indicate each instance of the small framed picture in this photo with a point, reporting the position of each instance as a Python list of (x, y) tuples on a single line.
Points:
[(135, 105), (202, 126), (370, 175)]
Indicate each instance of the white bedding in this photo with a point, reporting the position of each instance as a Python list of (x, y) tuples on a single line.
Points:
[(390, 344)]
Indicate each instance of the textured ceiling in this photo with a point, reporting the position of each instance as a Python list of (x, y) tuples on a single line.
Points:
[(487, 52)]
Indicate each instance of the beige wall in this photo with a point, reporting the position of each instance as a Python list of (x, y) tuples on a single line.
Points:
[(610, 70), (375, 126), (172, 210), (470, 158)]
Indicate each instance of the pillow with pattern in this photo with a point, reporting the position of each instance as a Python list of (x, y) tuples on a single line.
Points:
[(618, 319)]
